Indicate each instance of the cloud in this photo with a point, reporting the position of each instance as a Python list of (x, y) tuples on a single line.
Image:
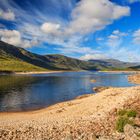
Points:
[(136, 37), (94, 56), (7, 15), (115, 39), (87, 16), (11, 36), (14, 37), (50, 28)]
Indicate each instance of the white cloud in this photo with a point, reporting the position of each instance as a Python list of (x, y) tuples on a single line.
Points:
[(7, 15), (136, 37), (116, 38), (94, 56), (10, 36), (14, 37), (87, 16), (50, 28)]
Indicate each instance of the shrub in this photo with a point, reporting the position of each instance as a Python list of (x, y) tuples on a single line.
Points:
[(124, 118), (121, 122), (122, 112)]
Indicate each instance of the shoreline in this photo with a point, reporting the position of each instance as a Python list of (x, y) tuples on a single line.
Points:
[(127, 71), (84, 114), (134, 78), (45, 72), (61, 71)]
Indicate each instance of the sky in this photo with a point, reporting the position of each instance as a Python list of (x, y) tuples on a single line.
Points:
[(84, 29)]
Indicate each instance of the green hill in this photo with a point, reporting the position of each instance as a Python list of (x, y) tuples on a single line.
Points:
[(18, 59)]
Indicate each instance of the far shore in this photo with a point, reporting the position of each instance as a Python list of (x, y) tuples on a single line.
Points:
[(36, 72), (59, 71), (121, 71)]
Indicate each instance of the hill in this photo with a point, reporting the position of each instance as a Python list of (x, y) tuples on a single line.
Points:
[(18, 59), (114, 63)]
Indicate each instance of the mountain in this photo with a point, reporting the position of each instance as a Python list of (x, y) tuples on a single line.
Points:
[(135, 67), (114, 63), (18, 59)]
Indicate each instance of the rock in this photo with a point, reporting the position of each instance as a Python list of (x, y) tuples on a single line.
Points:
[(99, 89), (69, 137), (137, 122), (130, 134)]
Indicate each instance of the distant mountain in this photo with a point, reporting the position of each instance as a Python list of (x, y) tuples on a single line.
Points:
[(114, 63), (19, 59)]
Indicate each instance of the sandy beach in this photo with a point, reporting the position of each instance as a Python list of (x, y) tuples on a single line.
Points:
[(82, 118)]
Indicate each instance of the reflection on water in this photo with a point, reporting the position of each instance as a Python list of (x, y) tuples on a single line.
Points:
[(22, 93)]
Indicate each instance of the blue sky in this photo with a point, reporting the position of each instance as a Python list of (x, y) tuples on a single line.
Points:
[(85, 29)]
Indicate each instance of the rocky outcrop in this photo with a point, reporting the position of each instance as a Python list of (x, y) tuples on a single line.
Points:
[(99, 89)]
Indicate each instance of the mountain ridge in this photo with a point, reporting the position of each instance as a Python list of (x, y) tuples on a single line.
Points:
[(50, 62), (12, 56)]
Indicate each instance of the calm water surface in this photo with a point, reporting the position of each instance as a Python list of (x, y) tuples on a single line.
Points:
[(30, 92)]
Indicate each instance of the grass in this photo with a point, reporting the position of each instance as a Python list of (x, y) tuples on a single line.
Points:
[(127, 112), (121, 122), (15, 65), (124, 118)]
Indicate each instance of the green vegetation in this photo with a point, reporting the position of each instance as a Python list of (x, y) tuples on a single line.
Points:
[(121, 122), (124, 118), (16, 65), (127, 112)]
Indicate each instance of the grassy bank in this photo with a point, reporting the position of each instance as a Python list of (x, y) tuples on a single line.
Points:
[(15, 65)]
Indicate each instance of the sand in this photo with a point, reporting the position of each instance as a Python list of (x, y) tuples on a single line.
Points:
[(134, 78), (82, 118), (42, 72)]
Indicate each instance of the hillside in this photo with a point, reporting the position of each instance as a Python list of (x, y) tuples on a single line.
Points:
[(114, 63), (9, 63), (135, 67), (18, 59)]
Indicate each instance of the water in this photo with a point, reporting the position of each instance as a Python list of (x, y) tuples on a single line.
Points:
[(31, 92)]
